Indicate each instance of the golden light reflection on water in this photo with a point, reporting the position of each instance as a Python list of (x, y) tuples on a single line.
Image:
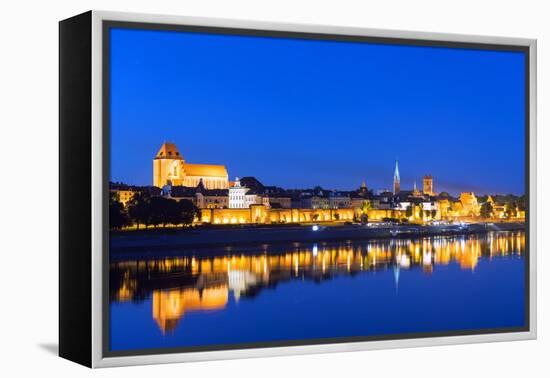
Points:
[(180, 285)]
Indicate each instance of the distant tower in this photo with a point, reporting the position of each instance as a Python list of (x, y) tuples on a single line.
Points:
[(363, 190), (396, 180), (428, 185), (168, 166), (416, 192)]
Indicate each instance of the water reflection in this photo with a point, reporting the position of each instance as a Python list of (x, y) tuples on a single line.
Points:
[(181, 285)]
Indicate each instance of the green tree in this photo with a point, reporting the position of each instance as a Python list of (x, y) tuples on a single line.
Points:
[(434, 213), (486, 210), (409, 211)]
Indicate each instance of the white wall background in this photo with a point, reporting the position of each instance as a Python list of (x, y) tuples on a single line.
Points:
[(28, 189)]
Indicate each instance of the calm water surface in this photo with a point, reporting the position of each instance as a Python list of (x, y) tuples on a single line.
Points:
[(315, 291)]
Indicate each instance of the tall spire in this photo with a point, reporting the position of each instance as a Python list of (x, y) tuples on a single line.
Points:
[(396, 179)]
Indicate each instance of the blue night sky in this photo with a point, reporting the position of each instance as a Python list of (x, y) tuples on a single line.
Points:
[(298, 113)]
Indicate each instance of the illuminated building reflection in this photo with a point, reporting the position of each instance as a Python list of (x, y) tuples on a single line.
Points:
[(182, 285)]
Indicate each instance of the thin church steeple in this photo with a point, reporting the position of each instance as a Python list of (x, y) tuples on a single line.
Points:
[(396, 179)]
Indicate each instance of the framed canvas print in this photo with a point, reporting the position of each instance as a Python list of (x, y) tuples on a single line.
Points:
[(232, 189)]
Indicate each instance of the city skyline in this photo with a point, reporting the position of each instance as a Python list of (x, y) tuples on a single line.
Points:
[(318, 120)]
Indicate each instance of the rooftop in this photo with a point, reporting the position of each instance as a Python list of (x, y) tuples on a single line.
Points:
[(168, 150), (205, 170)]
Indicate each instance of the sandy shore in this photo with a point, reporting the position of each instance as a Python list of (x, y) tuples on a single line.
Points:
[(221, 238)]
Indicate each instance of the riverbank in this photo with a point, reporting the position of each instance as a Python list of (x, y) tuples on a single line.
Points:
[(195, 239)]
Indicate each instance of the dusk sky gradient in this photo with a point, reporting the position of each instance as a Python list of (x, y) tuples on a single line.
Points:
[(300, 113)]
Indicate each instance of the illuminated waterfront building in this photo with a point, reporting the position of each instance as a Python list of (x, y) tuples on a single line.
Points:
[(498, 209), (280, 201), (470, 206), (124, 195), (315, 201), (170, 167), (339, 200), (212, 199), (200, 196), (237, 195)]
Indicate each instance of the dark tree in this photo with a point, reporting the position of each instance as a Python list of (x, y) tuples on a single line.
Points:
[(486, 210), (511, 209), (421, 211), (118, 217), (521, 203), (160, 211), (139, 209), (188, 212)]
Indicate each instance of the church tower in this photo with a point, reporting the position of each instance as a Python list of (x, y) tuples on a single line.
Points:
[(168, 166), (428, 185), (396, 180)]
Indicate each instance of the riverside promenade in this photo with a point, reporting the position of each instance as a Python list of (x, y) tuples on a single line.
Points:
[(223, 238)]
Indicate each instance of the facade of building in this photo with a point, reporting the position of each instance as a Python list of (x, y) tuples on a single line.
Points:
[(237, 196), (170, 167), (264, 215), (315, 201), (339, 201), (212, 199), (252, 198), (280, 201), (124, 195), (470, 206)]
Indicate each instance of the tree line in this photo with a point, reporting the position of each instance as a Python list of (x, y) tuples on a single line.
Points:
[(147, 210), (511, 211)]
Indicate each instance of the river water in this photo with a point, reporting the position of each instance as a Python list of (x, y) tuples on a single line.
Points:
[(319, 292)]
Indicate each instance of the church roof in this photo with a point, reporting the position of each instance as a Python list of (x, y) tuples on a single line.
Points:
[(205, 170), (252, 183), (168, 150)]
